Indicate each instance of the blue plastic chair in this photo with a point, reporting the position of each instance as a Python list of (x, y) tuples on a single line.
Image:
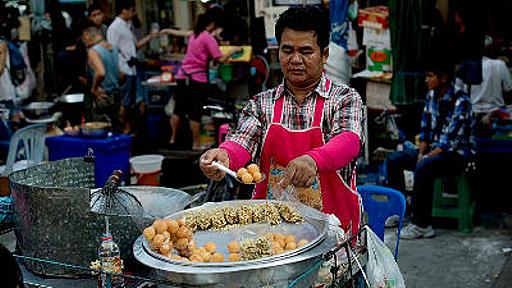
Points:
[(380, 203)]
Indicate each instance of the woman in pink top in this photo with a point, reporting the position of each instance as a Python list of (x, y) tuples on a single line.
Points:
[(193, 75)]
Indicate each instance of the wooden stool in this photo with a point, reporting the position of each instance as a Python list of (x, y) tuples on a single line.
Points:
[(459, 206)]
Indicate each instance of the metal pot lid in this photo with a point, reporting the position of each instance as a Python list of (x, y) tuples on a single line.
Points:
[(72, 98)]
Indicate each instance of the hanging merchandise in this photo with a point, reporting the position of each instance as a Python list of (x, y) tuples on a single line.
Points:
[(381, 270), (353, 10)]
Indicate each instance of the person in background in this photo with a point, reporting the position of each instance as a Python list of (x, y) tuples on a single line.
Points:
[(306, 132), (7, 89), (95, 15), (444, 147), (193, 75), (121, 34), (103, 64), (489, 95)]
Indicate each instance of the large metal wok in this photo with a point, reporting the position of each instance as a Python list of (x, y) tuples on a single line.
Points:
[(53, 218), (274, 271)]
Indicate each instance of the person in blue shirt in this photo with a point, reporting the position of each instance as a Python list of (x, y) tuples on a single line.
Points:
[(444, 148)]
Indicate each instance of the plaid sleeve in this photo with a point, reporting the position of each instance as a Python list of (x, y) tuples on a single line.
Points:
[(453, 134), (348, 114), (425, 123), (249, 129)]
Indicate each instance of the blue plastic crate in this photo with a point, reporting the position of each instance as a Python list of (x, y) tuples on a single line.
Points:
[(111, 153)]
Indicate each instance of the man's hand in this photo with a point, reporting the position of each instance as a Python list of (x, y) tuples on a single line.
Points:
[(210, 171), (100, 93), (300, 172)]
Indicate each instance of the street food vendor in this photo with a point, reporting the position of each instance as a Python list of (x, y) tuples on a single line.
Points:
[(306, 132)]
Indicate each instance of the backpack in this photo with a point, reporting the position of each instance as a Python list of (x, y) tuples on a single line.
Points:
[(17, 64)]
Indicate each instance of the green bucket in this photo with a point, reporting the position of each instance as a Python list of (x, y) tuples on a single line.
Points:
[(226, 72)]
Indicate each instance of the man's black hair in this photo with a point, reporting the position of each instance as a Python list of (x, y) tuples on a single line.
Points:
[(93, 7), (309, 18), (124, 5), (441, 67), (213, 15)]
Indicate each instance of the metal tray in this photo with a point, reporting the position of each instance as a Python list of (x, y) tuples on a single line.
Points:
[(313, 229)]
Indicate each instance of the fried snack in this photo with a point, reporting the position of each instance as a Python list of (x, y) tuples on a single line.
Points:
[(245, 213), (257, 176), (290, 214), (230, 214), (149, 233), (253, 168), (289, 238), (290, 246), (190, 218), (166, 235), (234, 257), (182, 222), (247, 178), (160, 226), (181, 244), (195, 258), (172, 226), (182, 232), (191, 246), (158, 240), (176, 257), (210, 247), (241, 172), (206, 256), (234, 247), (203, 219), (217, 257), (218, 219), (252, 249), (165, 249), (302, 243), (266, 212)]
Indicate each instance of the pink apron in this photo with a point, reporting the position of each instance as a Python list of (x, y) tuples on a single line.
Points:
[(329, 192)]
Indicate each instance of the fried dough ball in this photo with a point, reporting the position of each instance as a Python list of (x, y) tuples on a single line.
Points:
[(290, 246), (234, 257), (165, 249), (247, 178), (172, 226), (234, 247), (176, 257), (206, 256), (217, 257), (278, 250), (182, 222), (275, 248), (196, 258), (278, 236), (160, 226), (158, 240), (302, 243), (166, 235), (289, 238), (210, 247), (181, 244), (201, 250), (281, 242), (192, 246), (149, 233), (241, 172), (270, 236), (257, 176), (182, 232), (253, 168)]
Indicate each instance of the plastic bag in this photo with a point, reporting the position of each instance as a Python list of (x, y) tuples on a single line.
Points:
[(381, 270)]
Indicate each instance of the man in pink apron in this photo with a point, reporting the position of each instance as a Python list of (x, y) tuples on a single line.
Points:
[(306, 132)]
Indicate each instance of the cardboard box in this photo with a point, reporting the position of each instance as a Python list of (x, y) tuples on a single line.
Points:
[(376, 37), (243, 56), (378, 59), (374, 17)]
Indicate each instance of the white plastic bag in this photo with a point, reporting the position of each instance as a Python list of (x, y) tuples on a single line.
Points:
[(381, 269)]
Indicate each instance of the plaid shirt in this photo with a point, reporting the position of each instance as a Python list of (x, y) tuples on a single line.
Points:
[(342, 112), (446, 121)]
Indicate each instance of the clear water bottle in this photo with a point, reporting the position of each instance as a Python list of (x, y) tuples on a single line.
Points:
[(110, 260)]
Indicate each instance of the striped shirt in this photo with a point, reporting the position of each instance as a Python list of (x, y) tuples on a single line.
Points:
[(342, 113), (446, 121)]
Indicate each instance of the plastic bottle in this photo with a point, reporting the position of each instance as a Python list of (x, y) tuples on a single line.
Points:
[(154, 44), (110, 260)]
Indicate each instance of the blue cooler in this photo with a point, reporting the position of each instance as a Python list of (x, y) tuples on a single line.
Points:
[(111, 153)]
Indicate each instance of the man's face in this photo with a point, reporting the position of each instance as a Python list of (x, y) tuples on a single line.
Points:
[(300, 57), (88, 40), (96, 17), (129, 13), (434, 81)]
